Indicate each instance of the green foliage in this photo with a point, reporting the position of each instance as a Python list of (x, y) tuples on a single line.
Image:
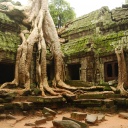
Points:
[(61, 12)]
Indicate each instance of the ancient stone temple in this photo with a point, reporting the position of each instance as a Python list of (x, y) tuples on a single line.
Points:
[(9, 40), (89, 55), (89, 59), (87, 46)]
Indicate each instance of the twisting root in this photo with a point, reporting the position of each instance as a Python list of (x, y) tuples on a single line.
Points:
[(123, 92)]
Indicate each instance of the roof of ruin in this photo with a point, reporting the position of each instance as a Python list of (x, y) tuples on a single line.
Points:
[(95, 31)]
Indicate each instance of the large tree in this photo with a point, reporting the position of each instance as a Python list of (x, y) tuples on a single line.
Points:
[(41, 31), (120, 46), (61, 11)]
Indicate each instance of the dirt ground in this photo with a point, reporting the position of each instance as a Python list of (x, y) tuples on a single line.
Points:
[(111, 121)]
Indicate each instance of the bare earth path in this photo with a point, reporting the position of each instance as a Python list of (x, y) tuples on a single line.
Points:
[(111, 121)]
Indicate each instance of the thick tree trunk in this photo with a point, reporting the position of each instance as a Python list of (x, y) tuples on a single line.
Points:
[(122, 72), (42, 31)]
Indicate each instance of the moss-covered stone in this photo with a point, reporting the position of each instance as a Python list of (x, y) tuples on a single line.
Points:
[(95, 32), (88, 102), (9, 43)]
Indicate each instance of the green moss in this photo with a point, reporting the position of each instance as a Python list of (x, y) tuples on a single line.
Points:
[(9, 42), (76, 46), (99, 44), (107, 88), (5, 19), (84, 23)]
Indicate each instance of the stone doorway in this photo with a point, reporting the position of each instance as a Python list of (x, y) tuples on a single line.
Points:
[(6, 72), (74, 71)]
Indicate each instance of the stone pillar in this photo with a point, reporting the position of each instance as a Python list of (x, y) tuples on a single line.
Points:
[(83, 75)]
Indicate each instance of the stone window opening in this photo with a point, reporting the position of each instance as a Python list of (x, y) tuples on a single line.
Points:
[(111, 71)]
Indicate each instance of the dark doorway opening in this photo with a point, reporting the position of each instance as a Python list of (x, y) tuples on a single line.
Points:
[(6, 72), (50, 72), (111, 70), (74, 71)]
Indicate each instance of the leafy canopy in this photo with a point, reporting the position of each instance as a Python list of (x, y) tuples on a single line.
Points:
[(61, 12)]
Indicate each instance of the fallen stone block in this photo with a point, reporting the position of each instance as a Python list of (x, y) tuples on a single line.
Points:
[(78, 116), (65, 124), (38, 113), (9, 116), (40, 121), (49, 118), (46, 114), (123, 115), (2, 116), (101, 117), (52, 112), (83, 125), (29, 124), (38, 127), (25, 113), (91, 118)]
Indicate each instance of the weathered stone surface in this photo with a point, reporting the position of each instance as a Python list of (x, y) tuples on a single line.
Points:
[(40, 99), (9, 116), (17, 105), (39, 113), (8, 106), (29, 124), (65, 124), (46, 114), (120, 102), (38, 127), (40, 121), (3, 94), (49, 118), (91, 118), (83, 125), (2, 116), (1, 108), (88, 102), (78, 116), (101, 117), (27, 106), (98, 95), (127, 102), (109, 103), (48, 110), (123, 115), (1, 100), (25, 113)]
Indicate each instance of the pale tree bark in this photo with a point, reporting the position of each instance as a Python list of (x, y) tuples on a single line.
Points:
[(122, 72), (42, 31)]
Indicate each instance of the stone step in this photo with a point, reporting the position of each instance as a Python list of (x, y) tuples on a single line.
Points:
[(120, 103), (36, 103), (98, 95), (88, 102), (40, 99)]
